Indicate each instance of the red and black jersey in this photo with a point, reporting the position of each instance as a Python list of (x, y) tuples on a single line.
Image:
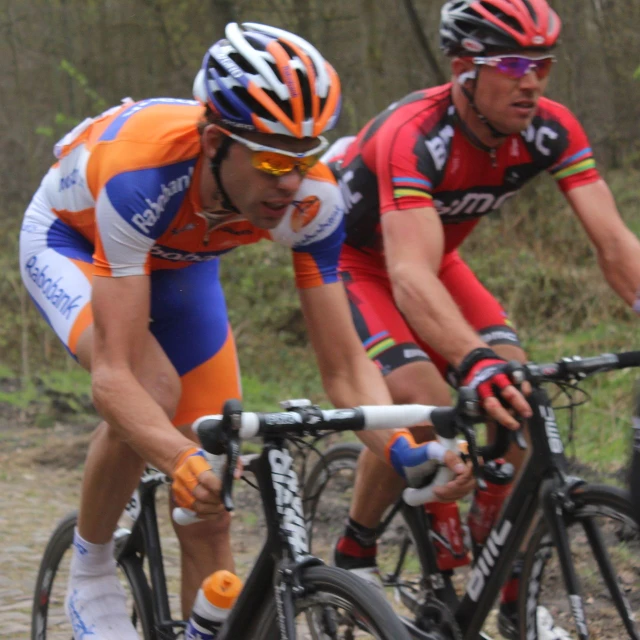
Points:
[(414, 154)]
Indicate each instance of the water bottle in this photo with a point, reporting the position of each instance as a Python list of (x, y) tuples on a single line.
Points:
[(486, 504), (213, 603), (451, 551)]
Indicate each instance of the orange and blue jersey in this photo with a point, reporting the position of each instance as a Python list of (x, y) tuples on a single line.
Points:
[(123, 199), (128, 181)]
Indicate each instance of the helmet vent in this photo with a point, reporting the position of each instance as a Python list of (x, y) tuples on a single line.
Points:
[(241, 61), (534, 15), (306, 94), (503, 17)]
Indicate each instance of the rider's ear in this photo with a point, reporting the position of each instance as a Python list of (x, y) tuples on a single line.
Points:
[(211, 139), (463, 69)]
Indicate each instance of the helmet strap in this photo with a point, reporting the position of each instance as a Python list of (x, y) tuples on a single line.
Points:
[(495, 133), (214, 163)]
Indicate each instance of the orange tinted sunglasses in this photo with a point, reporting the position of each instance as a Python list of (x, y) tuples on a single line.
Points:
[(278, 162)]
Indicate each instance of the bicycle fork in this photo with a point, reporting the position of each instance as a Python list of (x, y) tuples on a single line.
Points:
[(556, 503)]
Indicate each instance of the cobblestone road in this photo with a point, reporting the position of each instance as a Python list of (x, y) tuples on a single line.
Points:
[(36, 491)]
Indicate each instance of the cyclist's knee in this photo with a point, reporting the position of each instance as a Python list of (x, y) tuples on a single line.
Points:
[(418, 383), (423, 433), (106, 435), (158, 376), (204, 533)]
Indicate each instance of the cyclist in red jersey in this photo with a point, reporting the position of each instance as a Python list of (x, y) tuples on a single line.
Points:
[(416, 181), (119, 250)]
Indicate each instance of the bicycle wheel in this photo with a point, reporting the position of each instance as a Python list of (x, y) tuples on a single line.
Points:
[(327, 495), (48, 618), (337, 605), (543, 606)]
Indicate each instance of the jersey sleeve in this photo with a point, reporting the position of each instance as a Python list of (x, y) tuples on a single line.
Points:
[(134, 208), (405, 166), (576, 165), (314, 229)]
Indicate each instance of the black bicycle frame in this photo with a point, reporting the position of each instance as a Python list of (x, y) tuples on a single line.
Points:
[(277, 570), (543, 474), (145, 540), (285, 551)]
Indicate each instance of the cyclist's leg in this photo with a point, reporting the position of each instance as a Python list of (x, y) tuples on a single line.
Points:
[(56, 270), (487, 316), (634, 472), (411, 378), (191, 324), (108, 457), (377, 485)]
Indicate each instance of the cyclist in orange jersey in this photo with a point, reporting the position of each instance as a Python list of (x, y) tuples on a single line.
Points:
[(119, 250)]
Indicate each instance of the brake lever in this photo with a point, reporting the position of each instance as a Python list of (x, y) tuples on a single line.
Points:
[(518, 437), (518, 375), (470, 410), (470, 436), (232, 413), (228, 476)]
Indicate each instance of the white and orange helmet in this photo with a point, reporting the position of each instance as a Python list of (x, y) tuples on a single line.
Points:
[(265, 79)]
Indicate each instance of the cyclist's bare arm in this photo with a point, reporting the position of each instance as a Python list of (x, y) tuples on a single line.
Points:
[(350, 378), (617, 247), (121, 331), (414, 246)]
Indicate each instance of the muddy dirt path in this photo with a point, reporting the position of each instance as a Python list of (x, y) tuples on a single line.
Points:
[(40, 475)]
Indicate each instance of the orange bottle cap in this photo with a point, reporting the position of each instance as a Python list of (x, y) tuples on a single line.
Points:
[(222, 588)]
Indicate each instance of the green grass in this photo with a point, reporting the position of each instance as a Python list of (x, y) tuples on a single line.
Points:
[(603, 425), (55, 395)]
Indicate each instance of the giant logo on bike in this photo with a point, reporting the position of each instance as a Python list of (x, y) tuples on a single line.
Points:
[(304, 211)]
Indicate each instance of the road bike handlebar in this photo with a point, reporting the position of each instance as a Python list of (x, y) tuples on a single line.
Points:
[(577, 367), (221, 434)]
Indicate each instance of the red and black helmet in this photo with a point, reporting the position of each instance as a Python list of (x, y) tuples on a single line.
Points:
[(490, 27)]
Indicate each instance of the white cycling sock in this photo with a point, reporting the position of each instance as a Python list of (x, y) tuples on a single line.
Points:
[(91, 559), (96, 602), (547, 629)]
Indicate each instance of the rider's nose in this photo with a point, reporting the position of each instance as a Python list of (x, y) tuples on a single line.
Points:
[(290, 181), (530, 81)]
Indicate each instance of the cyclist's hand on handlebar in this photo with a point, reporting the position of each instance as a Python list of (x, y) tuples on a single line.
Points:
[(486, 372), (417, 463), (463, 482), (195, 486)]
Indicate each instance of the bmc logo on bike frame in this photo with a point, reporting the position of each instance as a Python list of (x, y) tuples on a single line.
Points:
[(551, 428), (487, 560)]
